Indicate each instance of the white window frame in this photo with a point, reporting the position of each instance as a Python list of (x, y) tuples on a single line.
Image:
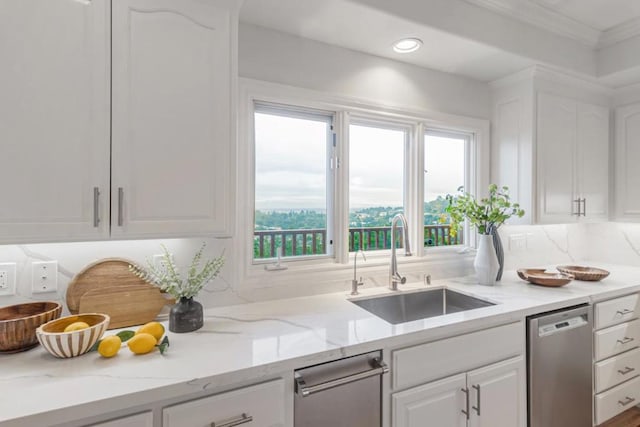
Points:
[(314, 114), (254, 275)]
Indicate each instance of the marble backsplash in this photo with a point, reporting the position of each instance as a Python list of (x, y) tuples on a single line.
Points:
[(524, 246)]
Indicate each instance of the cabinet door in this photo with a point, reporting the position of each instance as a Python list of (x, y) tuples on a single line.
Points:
[(173, 144), (54, 120), (627, 158), (593, 161), (498, 394), (556, 142), (439, 403), (144, 419)]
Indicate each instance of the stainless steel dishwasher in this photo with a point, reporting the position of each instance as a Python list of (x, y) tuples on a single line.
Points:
[(560, 366), (344, 393)]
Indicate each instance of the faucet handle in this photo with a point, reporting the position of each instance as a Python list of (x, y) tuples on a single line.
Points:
[(354, 286)]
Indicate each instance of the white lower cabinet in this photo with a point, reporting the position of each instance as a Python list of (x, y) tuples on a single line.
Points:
[(617, 357), (491, 396), (144, 419), (260, 405), (440, 402)]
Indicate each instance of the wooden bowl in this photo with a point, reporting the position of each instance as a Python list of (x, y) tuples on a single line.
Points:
[(18, 324), (71, 344), (588, 274), (538, 276)]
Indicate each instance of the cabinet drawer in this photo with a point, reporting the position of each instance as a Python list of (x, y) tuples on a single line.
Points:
[(613, 371), (263, 402), (616, 339), (617, 310), (617, 400), (144, 419), (438, 359)]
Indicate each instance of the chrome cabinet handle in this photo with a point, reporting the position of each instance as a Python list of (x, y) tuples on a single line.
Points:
[(236, 421), (120, 208), (625, 340), (379, 368), (626, 370), (626, 401), (477, 408), (584, 207), (466, 392), (96, 200), (578, 202), (624, 312)]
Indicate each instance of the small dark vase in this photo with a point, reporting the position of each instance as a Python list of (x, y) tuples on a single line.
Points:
[(186, 316), (497, 243)]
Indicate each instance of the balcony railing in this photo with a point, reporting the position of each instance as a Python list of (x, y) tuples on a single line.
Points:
[(314, 241)]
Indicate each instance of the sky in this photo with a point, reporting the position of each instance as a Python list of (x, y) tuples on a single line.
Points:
[(291, 158)]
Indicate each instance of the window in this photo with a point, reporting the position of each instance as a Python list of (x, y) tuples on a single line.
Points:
[(445, 166), (310, 206), (376, 183), (292, 182)]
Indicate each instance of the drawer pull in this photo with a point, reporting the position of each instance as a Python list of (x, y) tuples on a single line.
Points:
[(236, 421), (626, 370), (625, 340), (626, 401), (624, 312)]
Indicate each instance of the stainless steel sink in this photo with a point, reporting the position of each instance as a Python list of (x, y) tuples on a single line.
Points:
[(406, 307)]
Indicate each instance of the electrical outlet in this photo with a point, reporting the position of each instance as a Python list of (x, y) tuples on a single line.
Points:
[(160, 263), (44, 276), (517, 242), (7, 278)]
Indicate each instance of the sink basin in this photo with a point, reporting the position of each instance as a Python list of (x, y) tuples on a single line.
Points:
[(406, 307)]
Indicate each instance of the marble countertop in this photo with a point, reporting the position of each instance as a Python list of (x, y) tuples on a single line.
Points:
[(252, 341)]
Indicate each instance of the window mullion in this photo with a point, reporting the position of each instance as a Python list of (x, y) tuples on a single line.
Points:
[(341, 189), (416, 189)]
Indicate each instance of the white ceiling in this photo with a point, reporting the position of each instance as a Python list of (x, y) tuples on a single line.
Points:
[(598, 14), (372, 26)]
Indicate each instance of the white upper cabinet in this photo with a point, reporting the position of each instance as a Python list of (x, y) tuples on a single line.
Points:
[(172, 146), (627, 159), (550, 146), (117, 119), (572, 160), (54, 120)]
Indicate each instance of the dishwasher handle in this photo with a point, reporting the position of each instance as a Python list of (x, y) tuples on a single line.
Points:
[(379, 368)]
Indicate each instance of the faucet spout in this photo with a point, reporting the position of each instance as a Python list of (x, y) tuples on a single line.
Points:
[(355, 282), (394, 275)]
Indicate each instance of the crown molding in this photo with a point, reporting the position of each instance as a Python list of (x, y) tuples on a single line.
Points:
[(552, 74), (544, 18), (620, 32)]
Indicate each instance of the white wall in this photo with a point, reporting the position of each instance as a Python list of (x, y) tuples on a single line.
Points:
[(281, 58)]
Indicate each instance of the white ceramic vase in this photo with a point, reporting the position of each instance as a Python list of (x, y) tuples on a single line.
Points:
[(486, 262)]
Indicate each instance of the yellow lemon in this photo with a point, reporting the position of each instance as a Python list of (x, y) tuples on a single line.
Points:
[(142, 343), (76, 326), (110, 346), (153, 328)]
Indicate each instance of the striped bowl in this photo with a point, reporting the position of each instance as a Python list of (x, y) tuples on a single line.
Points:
[(18, 324), (71, 344)]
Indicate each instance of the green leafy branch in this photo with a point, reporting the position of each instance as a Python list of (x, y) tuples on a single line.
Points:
[(486, 215), (167, 277)]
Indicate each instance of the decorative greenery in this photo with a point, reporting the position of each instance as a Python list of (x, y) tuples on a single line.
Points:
[(487, 215), (166, 276)]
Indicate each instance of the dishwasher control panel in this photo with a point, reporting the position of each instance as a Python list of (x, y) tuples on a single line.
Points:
[(570, 323)]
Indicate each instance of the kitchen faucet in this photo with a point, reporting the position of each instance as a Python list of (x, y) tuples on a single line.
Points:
[(394, 276), (355, 283)]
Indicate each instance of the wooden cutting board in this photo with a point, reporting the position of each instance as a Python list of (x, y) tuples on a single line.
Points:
[(101, 274), (107, 286), (127, 305)]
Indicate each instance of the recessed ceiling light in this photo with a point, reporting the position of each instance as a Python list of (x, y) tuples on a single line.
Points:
[(407, 45)]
